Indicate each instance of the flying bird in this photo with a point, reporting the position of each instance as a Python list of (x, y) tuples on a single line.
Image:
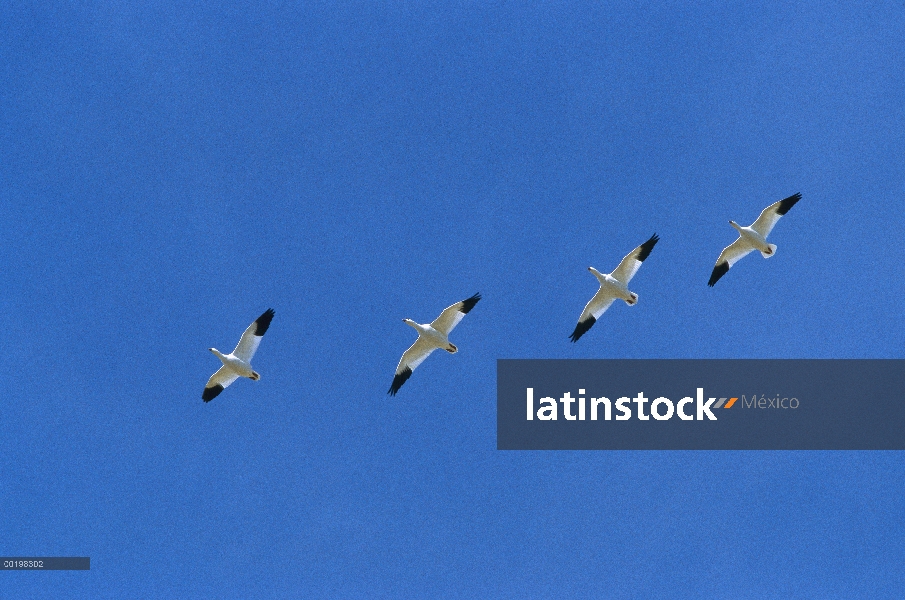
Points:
[(613, 286), (752, 238), (238, 363), (430, 337)]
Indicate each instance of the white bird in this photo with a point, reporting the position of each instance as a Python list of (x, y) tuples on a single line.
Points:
[(430, 337), (613, 286), (238, 363), (752, 238)]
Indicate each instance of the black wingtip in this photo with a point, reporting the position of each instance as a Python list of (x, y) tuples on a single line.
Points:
[(718, 271), (263, 322), (582, 328), (468, 304), (211, 392), (647, 246), (398, 380), (788, 203)]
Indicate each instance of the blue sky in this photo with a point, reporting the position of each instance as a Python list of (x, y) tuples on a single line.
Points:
[(170, 170)]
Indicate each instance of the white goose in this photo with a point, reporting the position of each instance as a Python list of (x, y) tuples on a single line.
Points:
[(430, 337), (238, 363), (752, 238), (613, 286)]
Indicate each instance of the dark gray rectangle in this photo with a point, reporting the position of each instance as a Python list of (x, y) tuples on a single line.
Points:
[(45, 563), (838, 404)]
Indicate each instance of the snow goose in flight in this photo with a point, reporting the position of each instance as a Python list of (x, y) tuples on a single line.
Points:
[(752, 238), (430, 337), (238, 363), (613, 286)]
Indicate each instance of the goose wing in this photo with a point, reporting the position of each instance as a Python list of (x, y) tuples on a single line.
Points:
[(632, 262), (770, 215), (410, 360), (451, 316), (251, 339), (730, 255), (218, 382), (595, 307)]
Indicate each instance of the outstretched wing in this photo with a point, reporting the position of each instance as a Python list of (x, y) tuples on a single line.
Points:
[(770, 215), (218, 382), (730, 255), (410, 360), (451, 316), (592, 311), (632, 262), (251, 339)]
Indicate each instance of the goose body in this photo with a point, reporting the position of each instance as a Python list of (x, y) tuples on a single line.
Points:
[(613, 286), (430, 337), (238, 362), (751, 238)]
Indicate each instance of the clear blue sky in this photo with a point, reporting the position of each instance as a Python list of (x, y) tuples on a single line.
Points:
[(169, 170)]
